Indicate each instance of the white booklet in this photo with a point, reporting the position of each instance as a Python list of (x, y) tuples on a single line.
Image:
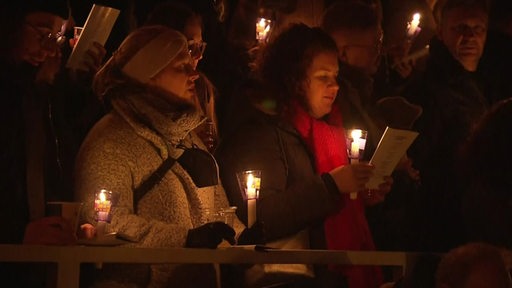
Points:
[(392, 147), (97, 28)]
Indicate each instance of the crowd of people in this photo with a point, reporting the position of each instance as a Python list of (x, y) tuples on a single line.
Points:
[(188, 98)]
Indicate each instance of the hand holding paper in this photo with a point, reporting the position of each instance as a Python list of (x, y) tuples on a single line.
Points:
[(392, 147), (353, 177), (97, 28)]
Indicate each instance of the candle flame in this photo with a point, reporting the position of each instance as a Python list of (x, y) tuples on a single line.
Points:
[(102, 196), (356, 134), (262, 23), (263, 26), (413, 26), (250, 180), (416, 17)]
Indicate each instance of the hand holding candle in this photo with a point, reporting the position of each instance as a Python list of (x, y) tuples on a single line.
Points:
[(356, 142), (250, 183)]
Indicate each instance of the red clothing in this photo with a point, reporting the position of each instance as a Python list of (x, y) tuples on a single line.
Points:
[(347, 229)]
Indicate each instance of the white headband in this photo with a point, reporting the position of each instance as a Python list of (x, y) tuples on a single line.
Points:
[(155, 56)]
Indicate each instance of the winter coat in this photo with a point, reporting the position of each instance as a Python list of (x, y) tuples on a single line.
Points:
[(453, 99), (292, 197), (122, 150)]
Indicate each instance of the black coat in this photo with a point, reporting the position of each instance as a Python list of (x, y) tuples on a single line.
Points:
[(293, 196), (453, 99)]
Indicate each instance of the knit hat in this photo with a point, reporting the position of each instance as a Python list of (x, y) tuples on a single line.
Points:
[(56, 7), (155, 55)]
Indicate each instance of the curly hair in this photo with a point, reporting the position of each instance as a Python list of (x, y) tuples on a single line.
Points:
[(283, 64)]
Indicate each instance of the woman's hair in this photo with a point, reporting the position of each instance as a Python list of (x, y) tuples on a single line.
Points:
[(111, 78), (283, 64)]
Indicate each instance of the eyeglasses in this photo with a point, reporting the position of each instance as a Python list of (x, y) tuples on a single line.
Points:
[(196, 49), (48, 40)]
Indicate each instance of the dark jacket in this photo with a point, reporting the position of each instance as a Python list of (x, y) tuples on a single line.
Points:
[(14, 213), (292, 197), (452, 99), (357, 104)]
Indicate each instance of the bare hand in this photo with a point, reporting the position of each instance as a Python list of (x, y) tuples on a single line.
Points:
[(353, 177), (87, 231), (96, 55), (405, 164), (375, 196), (404, 69)]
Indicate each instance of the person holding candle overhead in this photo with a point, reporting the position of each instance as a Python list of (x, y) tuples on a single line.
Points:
[(297, 140), (145, 151)]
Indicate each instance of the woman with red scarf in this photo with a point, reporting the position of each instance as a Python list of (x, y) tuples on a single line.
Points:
[(294, 135)]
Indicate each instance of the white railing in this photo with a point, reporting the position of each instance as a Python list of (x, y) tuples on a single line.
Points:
[(69, 258)]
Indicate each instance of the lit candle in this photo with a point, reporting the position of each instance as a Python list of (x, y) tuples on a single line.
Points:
[(250, 182), (357, 140), (251, 200), (412, 27), (102, 205), (262, 29), (354, 146), (354, 153)]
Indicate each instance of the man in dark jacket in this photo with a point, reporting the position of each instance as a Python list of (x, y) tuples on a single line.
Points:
[(452, 93)]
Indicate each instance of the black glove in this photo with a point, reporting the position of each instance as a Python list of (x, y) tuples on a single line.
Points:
[(252, 236), (210, 235)]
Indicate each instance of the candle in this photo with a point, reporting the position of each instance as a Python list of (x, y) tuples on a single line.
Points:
[(102, 204), (262, 29), (250, 183), (354, 146), (412, 27), (251, 191), (356, 142), (251, 212)]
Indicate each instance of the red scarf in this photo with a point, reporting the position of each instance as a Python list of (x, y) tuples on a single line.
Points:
[(348, 228)]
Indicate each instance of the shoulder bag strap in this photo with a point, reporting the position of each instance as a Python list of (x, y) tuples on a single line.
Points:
[(151, 181)]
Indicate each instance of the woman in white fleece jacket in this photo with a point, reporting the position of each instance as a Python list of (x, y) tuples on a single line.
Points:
[(149, 84)]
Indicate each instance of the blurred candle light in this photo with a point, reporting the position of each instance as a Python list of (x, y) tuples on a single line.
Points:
[(413, 27), (263, 26)]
